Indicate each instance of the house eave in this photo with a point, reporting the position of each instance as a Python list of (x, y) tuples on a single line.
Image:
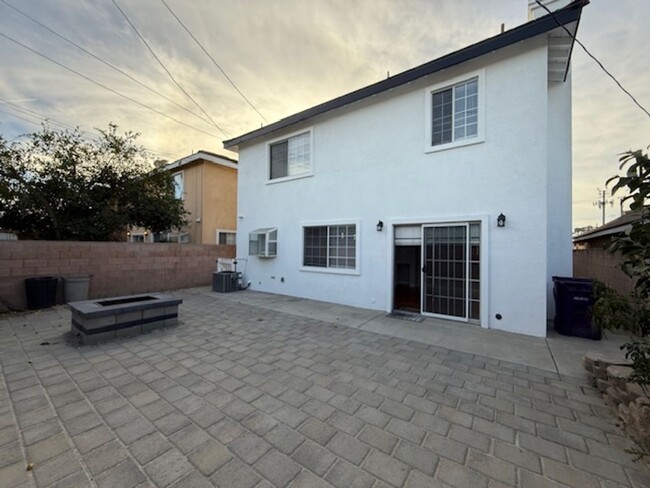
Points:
[(621, 229), (565, 16)]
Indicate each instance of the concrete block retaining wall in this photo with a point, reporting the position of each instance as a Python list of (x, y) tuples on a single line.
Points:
[(629, 402), (118, 268)]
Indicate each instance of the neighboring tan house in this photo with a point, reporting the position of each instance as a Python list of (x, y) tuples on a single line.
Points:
[(207, 183), (591, 259), (444, 190)]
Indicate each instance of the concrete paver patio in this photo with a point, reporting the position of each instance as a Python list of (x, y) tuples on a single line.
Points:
[(252, 391)]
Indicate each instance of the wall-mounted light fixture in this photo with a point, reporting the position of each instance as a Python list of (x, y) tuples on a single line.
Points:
[(380, 226), (501, 220)]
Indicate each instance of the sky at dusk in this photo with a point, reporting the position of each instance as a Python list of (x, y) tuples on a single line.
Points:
[(286, 56)]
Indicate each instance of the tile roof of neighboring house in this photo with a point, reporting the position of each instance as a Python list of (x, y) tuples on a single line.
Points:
[(621, 224), (203, 155), (567, 15)]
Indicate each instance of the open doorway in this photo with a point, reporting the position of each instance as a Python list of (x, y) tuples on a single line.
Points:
[(407, 278), (407, 273)]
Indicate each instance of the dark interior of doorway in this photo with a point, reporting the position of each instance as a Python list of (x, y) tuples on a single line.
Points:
[(407, 277)]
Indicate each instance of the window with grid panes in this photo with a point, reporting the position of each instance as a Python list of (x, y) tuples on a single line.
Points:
[(291, 157), (454, 114), (226, 238), (330, 246)]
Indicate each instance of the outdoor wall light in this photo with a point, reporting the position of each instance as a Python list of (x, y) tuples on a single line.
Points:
[(501, 220), (380, 226)]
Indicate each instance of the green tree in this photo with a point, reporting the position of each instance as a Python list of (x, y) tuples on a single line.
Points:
[(635, 249), (61, 185)]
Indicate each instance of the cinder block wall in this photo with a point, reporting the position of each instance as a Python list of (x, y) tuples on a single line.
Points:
[(117, 268), (602, 266)]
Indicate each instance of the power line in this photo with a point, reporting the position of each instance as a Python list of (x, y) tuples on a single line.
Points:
[(214, 62), (33, 113), (51, 120), (112, 66), (104, 86), (594, 58), (19, 117), (167, 71)]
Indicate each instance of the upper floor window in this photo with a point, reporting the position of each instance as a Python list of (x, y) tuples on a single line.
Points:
[(290, 157), (178, 185), (454, 114)]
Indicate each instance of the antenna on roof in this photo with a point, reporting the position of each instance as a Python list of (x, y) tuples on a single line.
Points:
[(387, 74), (503, 28)]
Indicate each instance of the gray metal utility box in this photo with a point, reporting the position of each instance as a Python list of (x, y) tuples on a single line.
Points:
[(225, 281)]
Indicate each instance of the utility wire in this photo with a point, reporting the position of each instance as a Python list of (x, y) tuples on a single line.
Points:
[(32, 113), (112, 66), (213, 61), (166, 70), (104, 86), (51, 120), (20, 117), (594, 58)]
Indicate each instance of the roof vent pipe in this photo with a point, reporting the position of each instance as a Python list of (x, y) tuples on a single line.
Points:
[(535, 11)]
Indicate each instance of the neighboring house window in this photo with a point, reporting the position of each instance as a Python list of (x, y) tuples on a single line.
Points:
[(178, 185), (290, 157), (181, 238), (455, 113), (226, 237), (263, 242), (330, 246)]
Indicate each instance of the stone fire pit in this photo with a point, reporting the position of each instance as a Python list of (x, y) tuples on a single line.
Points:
[(96, 321)]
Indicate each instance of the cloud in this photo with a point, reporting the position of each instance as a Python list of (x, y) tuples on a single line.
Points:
[(288, 55)]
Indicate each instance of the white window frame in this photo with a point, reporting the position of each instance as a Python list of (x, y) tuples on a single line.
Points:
[(182, 174), (267, 231), (226, 231), (428, 112), (328, 270), (306, 174), (176, 238), (132, 235)]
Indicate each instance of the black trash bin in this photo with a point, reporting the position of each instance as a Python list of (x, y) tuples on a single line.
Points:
[(41, 292), (574, 298)]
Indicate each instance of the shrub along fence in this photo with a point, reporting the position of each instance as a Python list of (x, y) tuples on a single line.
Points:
[(117, 268)]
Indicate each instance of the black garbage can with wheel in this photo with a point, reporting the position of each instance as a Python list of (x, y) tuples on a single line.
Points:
[(41, 292), (574, 299)]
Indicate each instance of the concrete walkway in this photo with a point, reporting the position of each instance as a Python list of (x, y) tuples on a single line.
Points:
[(256, 391)]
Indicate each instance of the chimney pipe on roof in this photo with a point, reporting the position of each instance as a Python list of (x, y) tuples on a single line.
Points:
[(535, 11)]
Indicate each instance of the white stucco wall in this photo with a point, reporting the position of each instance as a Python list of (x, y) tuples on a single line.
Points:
[(369, 164), (559, 189)]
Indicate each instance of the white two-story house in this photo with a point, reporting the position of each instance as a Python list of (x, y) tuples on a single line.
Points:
[(444, 190)]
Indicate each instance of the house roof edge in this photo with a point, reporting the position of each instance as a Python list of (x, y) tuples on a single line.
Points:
[(205, 156), (570, 13)]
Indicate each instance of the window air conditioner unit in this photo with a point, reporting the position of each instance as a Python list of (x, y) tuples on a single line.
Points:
[(263, 243)]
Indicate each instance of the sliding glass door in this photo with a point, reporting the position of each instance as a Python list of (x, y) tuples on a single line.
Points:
[(450, 271)]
